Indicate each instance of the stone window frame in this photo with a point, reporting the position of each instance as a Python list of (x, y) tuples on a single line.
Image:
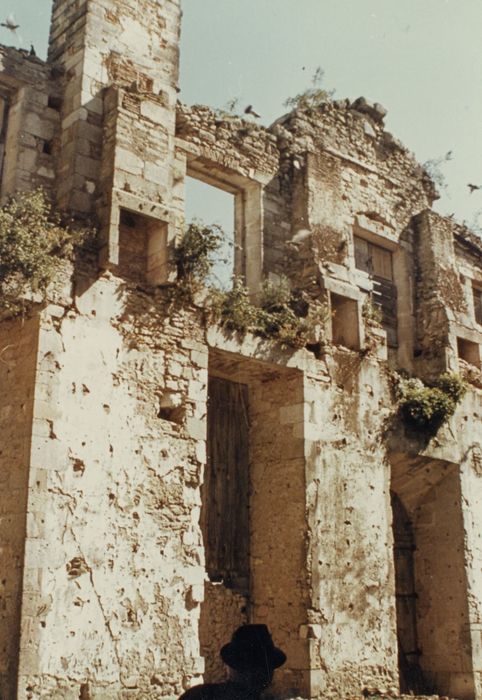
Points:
[(159, 268), (468, 350), (155, 257), (477, 302), (371, 232), (248, 216), (345, 321)]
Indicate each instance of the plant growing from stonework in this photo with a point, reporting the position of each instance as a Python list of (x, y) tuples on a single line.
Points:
[(313, 96), (280, 314), (230, 110), (425, 407), (195, 254), (34, 240), (371, 313), (433, 168), (233, 309)]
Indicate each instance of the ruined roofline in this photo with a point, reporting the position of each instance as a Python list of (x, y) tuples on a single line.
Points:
[(21, 54), (287, 134), (350, 130), (265, 145), (464, 235), (18, 66)]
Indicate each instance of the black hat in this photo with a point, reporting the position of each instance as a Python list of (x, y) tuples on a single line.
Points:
[(252, 646)]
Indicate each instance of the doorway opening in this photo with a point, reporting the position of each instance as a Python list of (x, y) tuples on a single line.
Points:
[(411, 677)]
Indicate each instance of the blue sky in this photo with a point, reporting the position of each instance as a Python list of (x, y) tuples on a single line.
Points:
[(422, 59)]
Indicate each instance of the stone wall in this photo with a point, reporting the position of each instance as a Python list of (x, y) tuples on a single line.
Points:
[(107, 594), (31, 121), (113, 542), (18, 344), (352, 617), (98, 45)]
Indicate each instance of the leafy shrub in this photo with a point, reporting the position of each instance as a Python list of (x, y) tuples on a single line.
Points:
[(233, 309), (33, 242), (194, 255), (426, 408), (280, 314), (277, 316)]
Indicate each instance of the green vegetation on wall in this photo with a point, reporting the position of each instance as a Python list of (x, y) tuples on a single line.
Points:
[(280, 313), (33, 243), (426, 407)]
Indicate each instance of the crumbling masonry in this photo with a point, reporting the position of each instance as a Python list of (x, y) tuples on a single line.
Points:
[(130, 552)]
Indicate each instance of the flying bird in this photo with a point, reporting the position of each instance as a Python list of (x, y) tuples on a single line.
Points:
[(249, 110), (472, 188), (10, 24)]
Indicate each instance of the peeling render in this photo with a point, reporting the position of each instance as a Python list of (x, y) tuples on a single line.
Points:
[(359, 536)]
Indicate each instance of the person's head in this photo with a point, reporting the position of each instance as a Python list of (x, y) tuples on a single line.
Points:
[(252, 657)]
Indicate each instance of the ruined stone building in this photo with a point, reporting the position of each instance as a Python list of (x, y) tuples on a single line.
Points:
[(165, 479)]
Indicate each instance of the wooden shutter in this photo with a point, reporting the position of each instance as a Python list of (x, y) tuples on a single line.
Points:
[(226, 485), (381, 262)]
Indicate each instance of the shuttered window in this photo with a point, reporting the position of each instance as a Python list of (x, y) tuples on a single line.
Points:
[(373, 259), (377, 262)]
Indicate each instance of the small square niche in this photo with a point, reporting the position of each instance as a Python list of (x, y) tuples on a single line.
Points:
[(143, 255), (345, 322), (468, 351)]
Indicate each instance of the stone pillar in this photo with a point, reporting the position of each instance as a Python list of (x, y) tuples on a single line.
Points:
[(439, 293), (471, 505), (350, 617), (99, 43)]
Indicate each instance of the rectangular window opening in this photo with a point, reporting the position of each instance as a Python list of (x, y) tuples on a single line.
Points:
[(345, 329), (378, 263), (143, 256), (210, 204), (477, 294), (468, 352)]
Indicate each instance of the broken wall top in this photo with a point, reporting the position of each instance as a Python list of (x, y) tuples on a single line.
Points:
[(333, 126)]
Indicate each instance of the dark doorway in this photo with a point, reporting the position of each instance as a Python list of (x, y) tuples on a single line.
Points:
[(411, 678), (225, 497)]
